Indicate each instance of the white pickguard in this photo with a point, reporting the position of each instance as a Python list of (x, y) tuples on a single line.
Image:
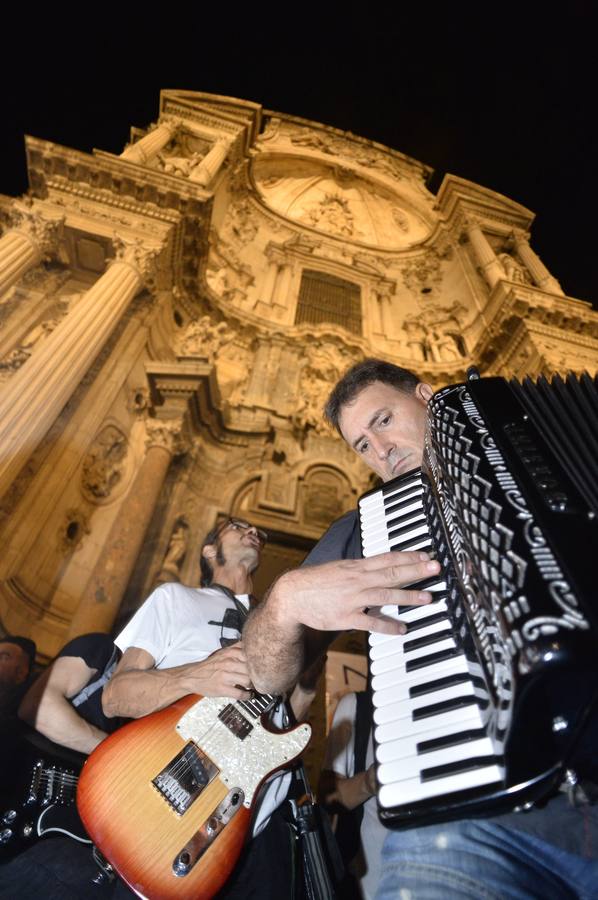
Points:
[(242, 763)]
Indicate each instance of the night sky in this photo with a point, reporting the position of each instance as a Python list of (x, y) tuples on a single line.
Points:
[(492, 94)]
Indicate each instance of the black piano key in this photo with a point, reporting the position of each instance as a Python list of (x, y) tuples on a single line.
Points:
[(407, 529), (461, 765), (427, 640), (422, 661), (400, 503), (407, 480), (431, 686), (450, 740), (407, 545), (414, 515), (429, 620), (425, 583), (435, 709)]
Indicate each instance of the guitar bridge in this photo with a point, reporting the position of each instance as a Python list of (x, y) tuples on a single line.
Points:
[(184, 778)]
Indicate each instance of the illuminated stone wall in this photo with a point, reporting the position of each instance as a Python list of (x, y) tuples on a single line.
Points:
[(165, 353)]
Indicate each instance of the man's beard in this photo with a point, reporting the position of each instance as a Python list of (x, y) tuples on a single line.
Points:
[(222, 561)]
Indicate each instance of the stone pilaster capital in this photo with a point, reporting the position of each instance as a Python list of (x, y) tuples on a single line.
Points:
[(135, 253), (174, 123), (520, 237), (168, 434), (43, 230)]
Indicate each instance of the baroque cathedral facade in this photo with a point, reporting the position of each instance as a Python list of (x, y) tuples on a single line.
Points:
[(174, 317)]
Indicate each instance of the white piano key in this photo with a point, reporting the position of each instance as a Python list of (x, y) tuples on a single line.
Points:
[(413, 789), (413, 615), (396, 710), (408, 767), (387, 681), (396, 644), (382, 665), (384, 544), (405, 745), (380, 522), (381, 499), (456, 719)]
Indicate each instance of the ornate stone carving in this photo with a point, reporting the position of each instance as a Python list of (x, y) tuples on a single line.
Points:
[(400, 219), (19, 355), (167, 434), (139, 400), (331, 214), (227, 275), (424, 272), (204, 339), (331, 145), (514, 270), (45, 231), (325, 364), (74, 527), (137, 254), (435, 334), (104, 464), (175, 552)]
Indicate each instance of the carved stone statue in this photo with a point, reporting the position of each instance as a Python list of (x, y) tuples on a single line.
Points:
[(514, 270), (104, 464), (204, 339)]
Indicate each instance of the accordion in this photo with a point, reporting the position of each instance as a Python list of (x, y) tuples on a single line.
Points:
[(491, 695)]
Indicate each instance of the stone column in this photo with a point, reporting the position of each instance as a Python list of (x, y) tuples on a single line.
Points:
[(269, 283), (535, 266), (484, 253), (36, 394), (283, 286), (104, 591), (26, 243), (152, 143), (210, 165)]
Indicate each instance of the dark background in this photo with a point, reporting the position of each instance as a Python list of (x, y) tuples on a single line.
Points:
[(503, 95)]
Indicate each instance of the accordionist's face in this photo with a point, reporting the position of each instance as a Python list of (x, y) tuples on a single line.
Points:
[(386, 427)]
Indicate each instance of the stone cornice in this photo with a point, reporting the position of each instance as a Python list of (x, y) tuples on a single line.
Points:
[(196, 387), (408, 163), (511, 308), (457, 196)]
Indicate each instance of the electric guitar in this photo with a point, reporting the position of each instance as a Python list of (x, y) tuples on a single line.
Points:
[(42, 799), (168, 798)]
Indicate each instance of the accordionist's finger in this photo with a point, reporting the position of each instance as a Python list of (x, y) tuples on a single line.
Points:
[(377, 622), (394, 558), (402, 575), (390, 596)]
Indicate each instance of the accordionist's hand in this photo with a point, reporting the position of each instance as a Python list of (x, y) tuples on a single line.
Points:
[(338, 596)]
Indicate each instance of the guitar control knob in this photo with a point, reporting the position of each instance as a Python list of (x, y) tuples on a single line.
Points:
[(9, 817), (5, 836), (212, 825)]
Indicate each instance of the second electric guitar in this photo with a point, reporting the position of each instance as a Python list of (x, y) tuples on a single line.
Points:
[(167, 798)]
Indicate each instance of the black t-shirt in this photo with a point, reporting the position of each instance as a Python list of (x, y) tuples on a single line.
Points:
[(572, 828), (98, 651)]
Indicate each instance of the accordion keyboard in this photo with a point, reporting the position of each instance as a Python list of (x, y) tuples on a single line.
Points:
[(429, 697)]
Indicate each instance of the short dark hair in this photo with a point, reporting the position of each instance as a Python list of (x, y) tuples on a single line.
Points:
[(205, 566), (26, 644), (360, 376)]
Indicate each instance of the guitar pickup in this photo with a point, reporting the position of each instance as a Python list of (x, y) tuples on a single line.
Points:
[(207, 834), (184, 778)]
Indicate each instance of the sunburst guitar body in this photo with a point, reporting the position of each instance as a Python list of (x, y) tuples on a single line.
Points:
[(168, 798)]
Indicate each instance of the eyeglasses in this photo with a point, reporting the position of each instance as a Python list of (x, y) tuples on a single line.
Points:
[(242, 525)]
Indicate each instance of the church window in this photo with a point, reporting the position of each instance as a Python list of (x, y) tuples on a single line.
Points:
[(326, 298)]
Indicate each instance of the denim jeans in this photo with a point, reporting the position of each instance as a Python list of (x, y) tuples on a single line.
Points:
[(480, 860)]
